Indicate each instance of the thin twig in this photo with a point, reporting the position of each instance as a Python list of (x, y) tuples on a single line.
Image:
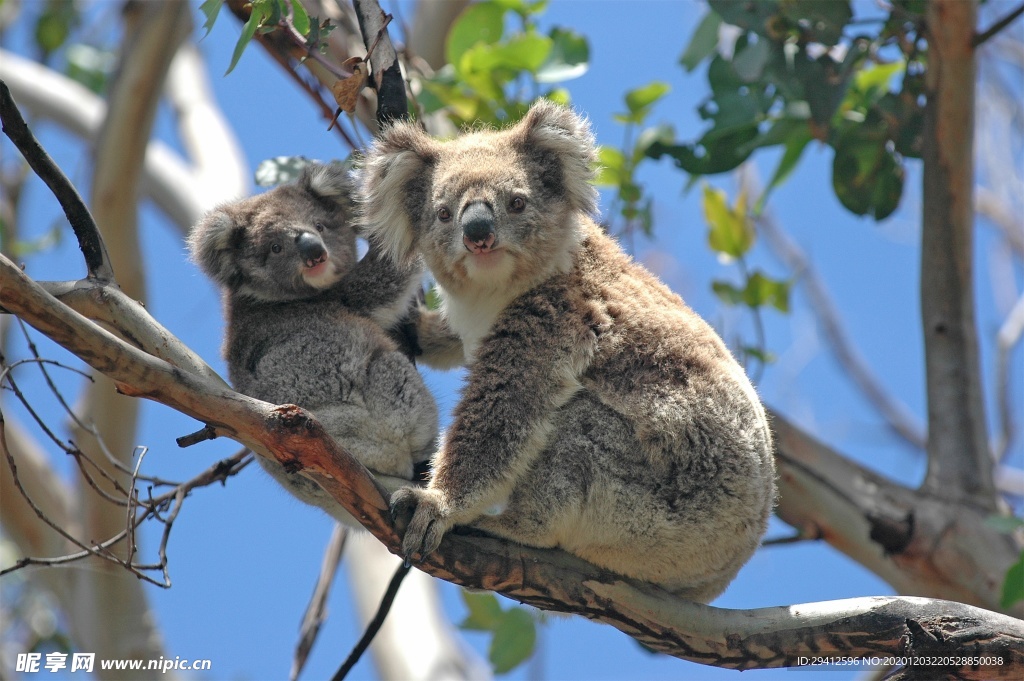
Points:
[(205, 433), (1009, 336), (375, 624), (896, 415), (88, 235), (316, 611), (982, 37)]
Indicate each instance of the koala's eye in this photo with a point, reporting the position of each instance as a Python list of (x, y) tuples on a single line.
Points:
[(517, 204), (319, 226), (443, 214), (276, 248)]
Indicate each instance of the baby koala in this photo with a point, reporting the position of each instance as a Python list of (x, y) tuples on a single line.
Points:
[(306, 325), (600, 414)]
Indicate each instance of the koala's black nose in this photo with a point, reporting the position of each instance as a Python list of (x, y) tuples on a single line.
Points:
[(311, 248), (478, 222)]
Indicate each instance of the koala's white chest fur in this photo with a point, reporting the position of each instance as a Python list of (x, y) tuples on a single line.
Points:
[(472, 316)]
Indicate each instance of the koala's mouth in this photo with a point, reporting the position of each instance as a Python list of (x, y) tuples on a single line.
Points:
[(314, 262), (319, 272), (485, 245)]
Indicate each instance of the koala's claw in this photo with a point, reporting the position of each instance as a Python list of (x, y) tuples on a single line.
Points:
[(425, 521)]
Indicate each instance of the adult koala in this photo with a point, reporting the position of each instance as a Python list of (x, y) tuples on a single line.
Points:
[(600, 414)]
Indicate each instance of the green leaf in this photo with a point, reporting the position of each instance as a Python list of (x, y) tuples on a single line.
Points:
[(715, 152), (754, 16), (1013, 587), (526, 52), (522, 7), (630, 193), (749, 63), (640, 100), (760, 354), (47, 241), (569, 57), (702, 43), (300, 19), (727, 293), (278, 170), (261, 10), (762, 290), (866, 176), (824, 20), (480, 23), (90, 66), (432, 299), (730, 232), (559, 96), (877, 77), (485, 612), (664, 134), (514, 640), (612, 165), (795, 146), (210, 8), (1004, 523)]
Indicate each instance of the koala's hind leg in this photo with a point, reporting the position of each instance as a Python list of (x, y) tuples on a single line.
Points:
[(401, 407)]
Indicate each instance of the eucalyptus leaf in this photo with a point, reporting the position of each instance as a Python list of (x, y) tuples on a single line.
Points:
[(485, 611), (640, 100), (479, 23), (261, 10), (210, 9), (729, 229), (300, 19), (568, 58), (514, 640), (612, 165), (1013, 586), (703, 41), (278, 170)]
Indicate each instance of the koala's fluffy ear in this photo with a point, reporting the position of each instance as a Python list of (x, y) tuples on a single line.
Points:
[(394, 184), (329, 181), (566, 136), (211, 243)]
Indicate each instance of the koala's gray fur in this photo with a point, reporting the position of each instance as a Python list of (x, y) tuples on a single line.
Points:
[(305, 324), (600, 415)]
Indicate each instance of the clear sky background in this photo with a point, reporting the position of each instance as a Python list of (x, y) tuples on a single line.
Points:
[(244, 558)]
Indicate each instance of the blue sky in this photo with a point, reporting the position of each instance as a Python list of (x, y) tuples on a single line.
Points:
[(244, 558)]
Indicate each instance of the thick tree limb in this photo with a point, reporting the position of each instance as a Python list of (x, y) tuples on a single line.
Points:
[(959, 463), (549, 579), (921, 545)]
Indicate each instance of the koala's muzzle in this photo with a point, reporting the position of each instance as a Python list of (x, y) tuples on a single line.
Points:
[(478, 227), (311, 249)]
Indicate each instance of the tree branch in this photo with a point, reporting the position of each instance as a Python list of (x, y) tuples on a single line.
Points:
[(921, 545), (550, 579), (984, 36), (392, 104), (896, 414), (166, 179), (959, 463), (93, 248), (316, 611)]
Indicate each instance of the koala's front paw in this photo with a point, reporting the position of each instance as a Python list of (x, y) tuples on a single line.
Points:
[(426, 527)]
